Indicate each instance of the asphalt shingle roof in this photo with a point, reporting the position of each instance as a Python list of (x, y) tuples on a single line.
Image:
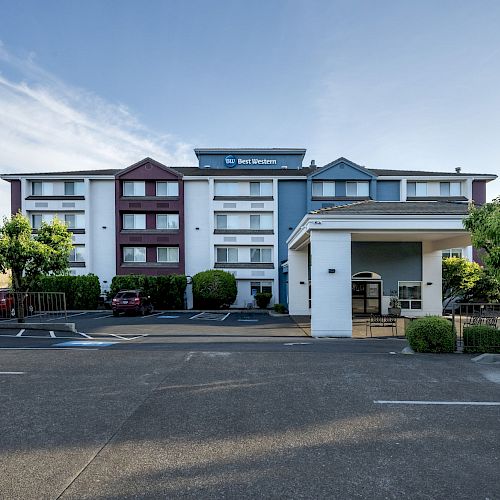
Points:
[(397, 208)]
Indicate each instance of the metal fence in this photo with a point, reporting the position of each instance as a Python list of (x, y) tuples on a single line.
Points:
[(477, 314), (33, 306)]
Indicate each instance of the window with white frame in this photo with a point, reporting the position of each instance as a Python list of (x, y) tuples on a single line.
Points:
[(167, 221), (450, 188), (357, 188), (227, 188), (262, 255), (167, 254), (77, 254), (410, 294), (134, 221), (73, 188), (452, 252), (229, 254), (134, 188), (261, 221), (227, 221), (261, 189), (416, 189), (260, 287), (39, 188), (134, 254), (167, 188), (325, 189), (74, 221)]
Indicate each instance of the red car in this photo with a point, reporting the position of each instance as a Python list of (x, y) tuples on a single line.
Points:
[(133, 301), (6, 303)]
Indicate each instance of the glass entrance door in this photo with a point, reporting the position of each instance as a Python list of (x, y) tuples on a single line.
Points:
[(366, 297)]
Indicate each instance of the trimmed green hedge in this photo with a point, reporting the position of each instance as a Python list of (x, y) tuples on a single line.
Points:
[(166, 292), (481, 338), (431, 334), (263, 299), (280, 308), (82, 292), (214, 289)]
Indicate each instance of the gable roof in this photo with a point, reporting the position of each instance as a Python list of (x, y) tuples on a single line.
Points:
[(370, 207), (144, 161), (340, 160)]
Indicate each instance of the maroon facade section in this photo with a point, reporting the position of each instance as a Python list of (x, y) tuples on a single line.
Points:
[(151, 172), (479, 192), (15, 196)]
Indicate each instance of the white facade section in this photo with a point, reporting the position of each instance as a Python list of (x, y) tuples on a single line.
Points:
[(432, 296), (298, 283), (197, 217)]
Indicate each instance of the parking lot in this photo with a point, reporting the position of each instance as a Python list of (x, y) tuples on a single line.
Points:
[(187, 408)]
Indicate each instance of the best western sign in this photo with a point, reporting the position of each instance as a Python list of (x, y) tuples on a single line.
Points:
[(231, 161)]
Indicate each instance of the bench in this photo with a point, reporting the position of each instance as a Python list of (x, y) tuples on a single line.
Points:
[(382, 321)]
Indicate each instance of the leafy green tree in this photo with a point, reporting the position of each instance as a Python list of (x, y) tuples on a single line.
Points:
[(459, 277), (27, 256), (484, 225), (486, 289)]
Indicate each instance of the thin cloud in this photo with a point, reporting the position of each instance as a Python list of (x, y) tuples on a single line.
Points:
[(47, 125)]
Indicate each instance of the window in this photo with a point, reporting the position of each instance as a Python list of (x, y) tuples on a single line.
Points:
[(36, 221), (452, 252), (135, 188), (167, 221), (39, 188), (72, 188), (416, 189), (225, 221), (77, 254), (410, 294), (261, 221), (167, 254), (227, 255), (261, 189), (357, 189), (260, 287), (325, 189), (227, 189), (134, 254), (167, 188), (450, 188), (74, 221), (260, 255), (134, 221)]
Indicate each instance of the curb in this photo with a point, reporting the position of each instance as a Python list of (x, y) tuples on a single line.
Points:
[(60, 327)]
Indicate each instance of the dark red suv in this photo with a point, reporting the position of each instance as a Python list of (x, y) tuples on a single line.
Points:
[(132, 301), (6, 303)]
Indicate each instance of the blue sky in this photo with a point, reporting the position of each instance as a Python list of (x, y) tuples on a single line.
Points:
[(388, 84)]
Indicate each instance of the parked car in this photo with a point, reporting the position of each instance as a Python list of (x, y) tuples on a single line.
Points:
[(6, 303), (131, 301)]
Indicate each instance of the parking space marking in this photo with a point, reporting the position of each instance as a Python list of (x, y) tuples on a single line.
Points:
[(151, 315), (20, 334), (52, 334), (298, 343), (168, 317), (12, 373), (248, 320), (450, 403), (84, 335), (127, 338), (208, 316), (85, 343)]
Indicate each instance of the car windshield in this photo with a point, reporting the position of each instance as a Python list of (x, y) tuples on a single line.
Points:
[(126, 295)]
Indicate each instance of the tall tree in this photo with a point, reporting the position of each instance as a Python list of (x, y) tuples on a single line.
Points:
[(484, 225), (27, 256), (459, 277)]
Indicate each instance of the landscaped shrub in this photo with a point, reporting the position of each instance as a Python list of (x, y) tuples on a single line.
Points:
[(431, 334), (166, 292), (82, 292), (279, 308), (214, 289), (481, 338), (263, 299)]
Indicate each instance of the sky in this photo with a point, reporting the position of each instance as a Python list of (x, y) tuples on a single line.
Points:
[(394, 84)]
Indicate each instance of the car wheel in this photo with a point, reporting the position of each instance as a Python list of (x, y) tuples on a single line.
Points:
[(151, 309), (116, 314), (142, 311)]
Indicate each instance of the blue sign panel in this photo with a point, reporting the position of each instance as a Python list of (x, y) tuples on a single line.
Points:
[(230, 161)]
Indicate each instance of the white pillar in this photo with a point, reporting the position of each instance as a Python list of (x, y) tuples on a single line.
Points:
[(432, 297), (331, 300), (403, 193), (298, 283)]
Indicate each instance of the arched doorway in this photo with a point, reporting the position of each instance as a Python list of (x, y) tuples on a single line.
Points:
[(366, 293)]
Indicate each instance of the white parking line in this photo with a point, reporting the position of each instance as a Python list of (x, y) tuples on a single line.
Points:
[(451, 403), (151, 315), (85, 335), (20, 334), (127, 338), (12, 373), (52, 334)]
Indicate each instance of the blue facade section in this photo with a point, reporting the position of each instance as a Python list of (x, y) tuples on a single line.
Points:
[(388, 190), (292, 198), (250, 160), (394, 261)]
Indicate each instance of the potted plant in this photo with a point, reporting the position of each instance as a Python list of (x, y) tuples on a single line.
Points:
[(394, 305)]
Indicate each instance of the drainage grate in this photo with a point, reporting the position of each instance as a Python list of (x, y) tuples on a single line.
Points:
[(208, 316)]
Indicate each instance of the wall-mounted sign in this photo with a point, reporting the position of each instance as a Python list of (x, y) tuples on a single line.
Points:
[(231, 161)]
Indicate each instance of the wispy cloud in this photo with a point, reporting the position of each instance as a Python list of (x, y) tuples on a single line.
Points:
[(48, 125)]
